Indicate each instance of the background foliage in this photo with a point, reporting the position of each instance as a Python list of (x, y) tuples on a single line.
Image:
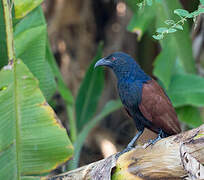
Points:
[(165, 39), (174, 66)]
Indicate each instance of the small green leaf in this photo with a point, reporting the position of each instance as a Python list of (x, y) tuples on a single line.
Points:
[(171, 30), (140, 5), (202, 2), (182, 42), (178, 26), (201, 10), (162, 29), (194, 14), (141, 21), (182, 12), (158, 37), (169, 22), (149, 2)]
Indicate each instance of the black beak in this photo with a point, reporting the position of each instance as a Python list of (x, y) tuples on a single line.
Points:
[(103, 62)]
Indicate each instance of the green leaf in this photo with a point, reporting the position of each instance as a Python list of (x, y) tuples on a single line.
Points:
[(194, 14), (64, 92), (149, 2), (182, 42), (187, 89), (182, 12), (30, 37), (3, 48), (189, 115), (171, 30), (62, 87), (162, 29), (110, 107), (89, 92), (140, 5), (178, 68), (164, 63), (169, 22), (32, 140), (23, 7), (158, 37), (178, 26), (202, 2), (141, 21), (198, 12)]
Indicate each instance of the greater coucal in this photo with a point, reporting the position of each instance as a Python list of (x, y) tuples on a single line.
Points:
[(143, 98)]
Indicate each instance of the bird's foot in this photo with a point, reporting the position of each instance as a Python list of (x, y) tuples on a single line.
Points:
[(152, 141), (131, 144), (127, 149)]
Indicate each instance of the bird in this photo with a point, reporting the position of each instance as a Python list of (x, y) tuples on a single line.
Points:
[(145, 101)]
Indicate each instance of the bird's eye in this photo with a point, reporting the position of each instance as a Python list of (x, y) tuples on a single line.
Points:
[(113, 58)]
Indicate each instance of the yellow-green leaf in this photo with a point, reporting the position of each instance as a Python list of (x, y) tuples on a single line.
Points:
[(32, 50), (32, 140), (23, 7)]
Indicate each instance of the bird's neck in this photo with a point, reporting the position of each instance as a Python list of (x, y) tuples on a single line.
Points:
[(131, 74)]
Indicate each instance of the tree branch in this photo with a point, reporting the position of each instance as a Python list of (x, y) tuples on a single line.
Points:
[(175, 157), (9, 30)]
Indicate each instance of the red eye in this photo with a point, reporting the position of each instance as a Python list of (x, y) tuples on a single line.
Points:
[(113, 58)]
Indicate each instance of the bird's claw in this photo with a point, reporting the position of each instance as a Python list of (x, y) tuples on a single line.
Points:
[(127, 149), (151, 142)]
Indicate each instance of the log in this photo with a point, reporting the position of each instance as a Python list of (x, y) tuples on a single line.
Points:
[(176, 157)]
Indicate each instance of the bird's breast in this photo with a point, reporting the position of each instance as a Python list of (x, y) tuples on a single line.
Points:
[(130, 93)]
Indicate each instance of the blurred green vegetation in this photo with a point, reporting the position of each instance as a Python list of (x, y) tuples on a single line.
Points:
[(174, 67), (32, 140), (32, 46), (86, 105)]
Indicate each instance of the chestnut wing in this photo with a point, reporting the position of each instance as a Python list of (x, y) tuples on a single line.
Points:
[(157, 108)]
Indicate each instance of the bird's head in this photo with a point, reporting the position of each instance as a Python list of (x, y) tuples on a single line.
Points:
[(123, 66), (115, 60)]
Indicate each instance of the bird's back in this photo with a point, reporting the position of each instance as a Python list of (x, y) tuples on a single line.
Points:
[(149, 106), (144, 100), (157, 108)]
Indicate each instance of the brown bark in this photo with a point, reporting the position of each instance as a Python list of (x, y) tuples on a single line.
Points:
[(176, 157)]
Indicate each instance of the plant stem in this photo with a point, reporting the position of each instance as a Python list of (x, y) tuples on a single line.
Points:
[(72, 123), (9, 31), (12, 60)]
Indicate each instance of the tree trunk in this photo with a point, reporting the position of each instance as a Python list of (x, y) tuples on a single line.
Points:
[(176, 157)]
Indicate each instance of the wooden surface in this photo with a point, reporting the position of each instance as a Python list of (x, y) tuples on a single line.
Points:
[(176, 157)]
